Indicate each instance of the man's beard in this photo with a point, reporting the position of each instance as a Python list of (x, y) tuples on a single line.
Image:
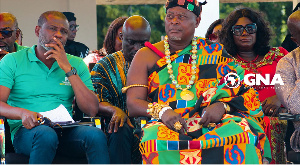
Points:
[(43, 42), (174, 38)]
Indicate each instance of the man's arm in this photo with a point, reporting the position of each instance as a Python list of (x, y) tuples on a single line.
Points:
[(102, 83), (29, 118), (86, 99), (288, 93), (137, 102), (118, 116)]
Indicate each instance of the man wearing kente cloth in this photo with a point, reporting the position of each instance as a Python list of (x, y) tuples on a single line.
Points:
[(200, 115), (109, 77)]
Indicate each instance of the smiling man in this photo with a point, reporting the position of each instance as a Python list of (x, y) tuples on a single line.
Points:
[(9, 32), (34, 80)]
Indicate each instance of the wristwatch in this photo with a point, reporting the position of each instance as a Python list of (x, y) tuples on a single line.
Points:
[(227, 108), (72, 72)]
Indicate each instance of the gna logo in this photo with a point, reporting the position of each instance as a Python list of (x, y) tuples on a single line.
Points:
[(233, 80)]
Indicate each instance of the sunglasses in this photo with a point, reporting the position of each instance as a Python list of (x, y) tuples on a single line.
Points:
[(6, 33), (74, 27), (239, 29)]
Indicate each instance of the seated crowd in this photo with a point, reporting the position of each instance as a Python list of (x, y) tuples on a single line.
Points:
[(195, 114)]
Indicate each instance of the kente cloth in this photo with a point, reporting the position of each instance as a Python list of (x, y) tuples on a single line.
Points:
[(237, 139), (275, 130), (109, 77), (268, 66)]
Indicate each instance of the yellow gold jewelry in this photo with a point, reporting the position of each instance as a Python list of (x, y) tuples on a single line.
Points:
[(124, 89), (227, 108), (177, 125), (155, 108), (185, 93)]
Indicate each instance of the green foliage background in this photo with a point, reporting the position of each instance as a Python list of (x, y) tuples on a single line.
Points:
[(276, 13), (153, 13)]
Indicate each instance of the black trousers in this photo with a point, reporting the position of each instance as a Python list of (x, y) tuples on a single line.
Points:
[(120, 145)]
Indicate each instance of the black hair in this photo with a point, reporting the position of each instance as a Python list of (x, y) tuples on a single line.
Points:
[(212, 26), (43, 17), (110, 38), (70, 16), (263, 34)]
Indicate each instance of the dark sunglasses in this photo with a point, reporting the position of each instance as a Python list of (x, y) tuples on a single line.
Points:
[(239, 29), (6, 33)]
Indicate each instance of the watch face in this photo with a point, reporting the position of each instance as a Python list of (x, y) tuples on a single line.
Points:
[(74, 71)]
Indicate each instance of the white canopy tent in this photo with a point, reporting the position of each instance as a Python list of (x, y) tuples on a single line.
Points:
[(139, 2)]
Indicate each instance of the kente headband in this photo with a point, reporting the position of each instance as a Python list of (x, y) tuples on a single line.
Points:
[(191, 5)]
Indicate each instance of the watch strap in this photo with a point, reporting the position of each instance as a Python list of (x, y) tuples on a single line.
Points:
[(72, 72)]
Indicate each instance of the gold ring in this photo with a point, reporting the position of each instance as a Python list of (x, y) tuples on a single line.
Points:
[(177, 126)]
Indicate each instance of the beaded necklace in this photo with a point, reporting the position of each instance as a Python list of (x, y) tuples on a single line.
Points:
[(247, 61), (185, 93), (251, 65)]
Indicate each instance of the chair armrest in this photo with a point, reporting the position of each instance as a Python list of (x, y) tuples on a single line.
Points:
[(288, 116)]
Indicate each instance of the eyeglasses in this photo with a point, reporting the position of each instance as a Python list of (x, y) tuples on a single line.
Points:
[(6, 33), (239, 29), (74, 27)]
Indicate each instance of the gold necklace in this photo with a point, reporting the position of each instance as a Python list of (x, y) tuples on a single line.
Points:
[(185, 93)]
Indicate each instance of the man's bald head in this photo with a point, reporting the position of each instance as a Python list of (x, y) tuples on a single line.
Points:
[(136, 23), (10, 29), (136, 31), (293, 24), (9, 17)]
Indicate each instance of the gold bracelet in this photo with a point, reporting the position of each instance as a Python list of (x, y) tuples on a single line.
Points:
[(124, 89), (154, 109), (226, 107)]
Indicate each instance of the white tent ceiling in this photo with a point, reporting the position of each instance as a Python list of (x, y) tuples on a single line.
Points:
[(139, 2)]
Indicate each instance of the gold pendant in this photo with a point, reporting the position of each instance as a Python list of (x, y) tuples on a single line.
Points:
[(187, 95)]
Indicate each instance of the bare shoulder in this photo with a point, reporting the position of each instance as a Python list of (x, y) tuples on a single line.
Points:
[(148, 56)]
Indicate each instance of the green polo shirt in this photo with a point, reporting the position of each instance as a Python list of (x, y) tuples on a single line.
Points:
[(19, 47), (36, 87)]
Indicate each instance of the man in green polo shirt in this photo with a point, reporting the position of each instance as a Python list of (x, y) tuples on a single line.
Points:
[(9, 32), (41, 78)]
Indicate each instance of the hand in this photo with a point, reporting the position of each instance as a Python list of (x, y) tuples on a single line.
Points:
[(169, 118), (212, 114), (271, 106), (59, 54), (30, 119), (3, 52), (117, 120)]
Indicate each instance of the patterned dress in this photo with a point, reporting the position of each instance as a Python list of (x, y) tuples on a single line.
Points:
[(274, 128), (237, 139)]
